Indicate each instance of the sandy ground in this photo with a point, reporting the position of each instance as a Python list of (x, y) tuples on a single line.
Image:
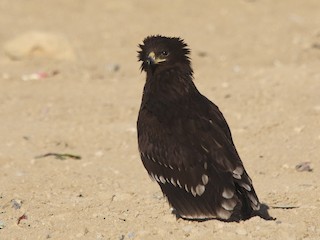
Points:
[(258, 60)]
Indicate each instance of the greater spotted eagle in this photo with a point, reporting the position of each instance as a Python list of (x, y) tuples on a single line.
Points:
[(184, 141)]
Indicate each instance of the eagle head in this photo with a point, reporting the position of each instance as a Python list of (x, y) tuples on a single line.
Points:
[(159, 51)]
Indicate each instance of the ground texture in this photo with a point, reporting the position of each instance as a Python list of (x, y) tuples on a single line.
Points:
[(70, 83)]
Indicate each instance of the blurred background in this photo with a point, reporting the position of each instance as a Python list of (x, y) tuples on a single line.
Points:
[(70, 84)]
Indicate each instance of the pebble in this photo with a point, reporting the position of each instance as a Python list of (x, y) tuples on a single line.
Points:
[(16, 203), (304, 167)]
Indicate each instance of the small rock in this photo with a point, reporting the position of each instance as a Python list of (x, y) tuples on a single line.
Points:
[(304, 167), (16, 203)]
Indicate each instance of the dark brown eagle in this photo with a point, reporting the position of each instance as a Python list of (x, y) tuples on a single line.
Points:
[(184, 141)]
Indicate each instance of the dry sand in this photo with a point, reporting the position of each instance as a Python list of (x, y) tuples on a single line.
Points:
[(258, 60)]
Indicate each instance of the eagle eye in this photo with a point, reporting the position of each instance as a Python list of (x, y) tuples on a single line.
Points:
[(164, 53)]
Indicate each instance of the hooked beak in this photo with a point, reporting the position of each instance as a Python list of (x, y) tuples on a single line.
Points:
[(152, 59)]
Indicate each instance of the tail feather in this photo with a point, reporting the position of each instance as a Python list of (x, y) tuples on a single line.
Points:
[(208, 206)]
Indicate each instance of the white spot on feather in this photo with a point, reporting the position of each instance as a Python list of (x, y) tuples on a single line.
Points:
[(162, 179), (186, 187), (205, 179), (200, 189), (253, 199), (255, 207), (178, 182), (236, 176), (173, 182), (205, 165), (227, 193), (156, 177), (150, 158), (193, 191), (245, 186), (204, 148), (223, 214), (170, 167), (237, 172), (229, 204), (152, 177)]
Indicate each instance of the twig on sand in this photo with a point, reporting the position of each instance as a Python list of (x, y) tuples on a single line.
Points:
[(284, 207), (60, 156)]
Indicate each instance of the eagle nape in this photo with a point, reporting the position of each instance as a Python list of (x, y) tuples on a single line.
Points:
[(185, 142)]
